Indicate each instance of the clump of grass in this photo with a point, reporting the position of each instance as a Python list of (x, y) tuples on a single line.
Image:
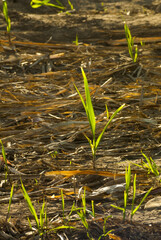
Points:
[(43, 214), (149, 165), (91, 118), (133, 50), (42, 222), (82, 213), (126, 194)]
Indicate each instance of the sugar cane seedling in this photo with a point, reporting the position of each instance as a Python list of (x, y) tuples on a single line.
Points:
[(7, 19), (91, 117), (126, 192), (43, 214), (39, 3), (104, 228), (130, 44), (149, 165), (83, 216), (41, 223)]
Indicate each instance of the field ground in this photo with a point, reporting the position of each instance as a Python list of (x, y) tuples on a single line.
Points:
[(42, 119)]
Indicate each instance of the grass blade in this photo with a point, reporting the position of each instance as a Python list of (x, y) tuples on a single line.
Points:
[(134, 211), (134, 193), (89, 106), (31, 208), (111, 118)]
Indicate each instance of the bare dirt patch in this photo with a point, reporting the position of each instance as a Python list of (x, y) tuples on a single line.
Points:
[(41, 115)]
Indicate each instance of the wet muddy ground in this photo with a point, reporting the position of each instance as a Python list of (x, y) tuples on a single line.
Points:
[(42, 120)]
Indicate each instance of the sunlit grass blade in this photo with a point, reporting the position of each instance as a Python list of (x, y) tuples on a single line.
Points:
[(31, 207), (130, 43), (134, 211), (70, 4), (128, 178), (63, 203), (151, 165), (107, 112), (111, 118), (5, 160), (125, 204), (29, 223), (89, 106), (42, 214), (119, 208), (3, 153), (134, 193), (7, 18), (82, 100), (93, 210)]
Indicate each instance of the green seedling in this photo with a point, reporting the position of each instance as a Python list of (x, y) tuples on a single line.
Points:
[(149, 165), (82, 213), (5, 160), (63, 204), (91, 117), (142, 43), (133, 50), (126, 193), (40, 3), (76, 40), (54, 154), (7, 19), (93, 210), (10, 201), (104, 228), (43, 214)]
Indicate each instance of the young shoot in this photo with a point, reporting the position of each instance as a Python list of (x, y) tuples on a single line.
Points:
[(133, 49), (7, 19), (91, 117), (126, 193)]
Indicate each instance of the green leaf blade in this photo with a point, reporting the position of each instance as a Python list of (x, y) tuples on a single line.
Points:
[(111, 118), (89, 106)]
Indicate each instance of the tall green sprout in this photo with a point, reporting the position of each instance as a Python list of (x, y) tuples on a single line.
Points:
[(126, 194), (7, 18), (133, 51), (43, 215), (91, 117)]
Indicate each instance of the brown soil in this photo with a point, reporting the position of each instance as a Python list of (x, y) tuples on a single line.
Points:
[(42, 119)]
